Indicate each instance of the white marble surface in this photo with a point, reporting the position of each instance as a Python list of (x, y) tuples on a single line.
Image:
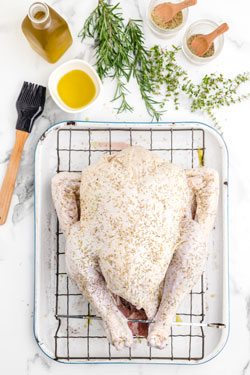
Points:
[(18, 349)]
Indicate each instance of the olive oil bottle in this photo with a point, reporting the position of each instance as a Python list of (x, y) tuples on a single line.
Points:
[(46, 31)]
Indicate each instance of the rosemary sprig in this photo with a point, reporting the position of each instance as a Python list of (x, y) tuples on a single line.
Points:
[(141, 67), (112, 48), (120, 93), (121, 53)]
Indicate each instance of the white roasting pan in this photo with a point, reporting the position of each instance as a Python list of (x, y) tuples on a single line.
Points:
[(65, 326)]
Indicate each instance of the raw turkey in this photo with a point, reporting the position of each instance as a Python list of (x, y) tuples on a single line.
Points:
[(138, 242)]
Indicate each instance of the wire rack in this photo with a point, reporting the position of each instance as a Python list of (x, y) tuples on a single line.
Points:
[(79, 335)]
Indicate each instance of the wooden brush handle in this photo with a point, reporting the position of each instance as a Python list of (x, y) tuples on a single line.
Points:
[(11, 174)]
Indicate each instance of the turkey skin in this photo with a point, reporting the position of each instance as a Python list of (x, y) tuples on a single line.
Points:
[(136, 230)]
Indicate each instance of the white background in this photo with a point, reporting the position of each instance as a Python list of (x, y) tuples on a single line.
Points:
[(18, 349)]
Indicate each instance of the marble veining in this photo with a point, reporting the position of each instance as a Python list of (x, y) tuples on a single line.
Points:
[(19, 351), (37, 360)]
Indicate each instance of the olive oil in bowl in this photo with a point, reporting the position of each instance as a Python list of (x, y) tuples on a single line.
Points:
[(75, 86), (76, 89)]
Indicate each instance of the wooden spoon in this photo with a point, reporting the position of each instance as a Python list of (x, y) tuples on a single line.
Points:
[(167, 11), (202, 43)]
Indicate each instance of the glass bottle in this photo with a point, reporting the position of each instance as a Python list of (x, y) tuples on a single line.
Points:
[(46, 31)]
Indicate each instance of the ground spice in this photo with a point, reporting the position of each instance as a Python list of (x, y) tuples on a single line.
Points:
[(210, 51), (172, 24)]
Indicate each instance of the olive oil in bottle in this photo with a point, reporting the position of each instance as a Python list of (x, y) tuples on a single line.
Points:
[(46, 31)]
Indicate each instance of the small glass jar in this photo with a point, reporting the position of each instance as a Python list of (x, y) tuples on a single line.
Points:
[(159, 31), (202, 27), (46, 31)]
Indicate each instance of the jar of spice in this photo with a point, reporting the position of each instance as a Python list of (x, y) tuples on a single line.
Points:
[(169, 29), (199, 28)]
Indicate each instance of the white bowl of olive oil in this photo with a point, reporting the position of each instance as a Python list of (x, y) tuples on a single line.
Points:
[(75, 86)]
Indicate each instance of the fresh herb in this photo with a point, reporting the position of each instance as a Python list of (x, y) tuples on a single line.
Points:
[(120, 93), (141, 67), (165, 74), (120, 53), (215, 91), (112, 48)]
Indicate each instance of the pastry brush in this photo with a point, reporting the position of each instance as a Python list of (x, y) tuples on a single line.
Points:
[(30, 105)]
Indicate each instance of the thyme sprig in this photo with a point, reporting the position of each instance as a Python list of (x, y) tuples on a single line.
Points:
[(215, 91), (121, 53), (164, 71)]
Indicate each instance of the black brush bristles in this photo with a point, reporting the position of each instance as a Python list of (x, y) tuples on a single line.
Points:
[(30, 105)]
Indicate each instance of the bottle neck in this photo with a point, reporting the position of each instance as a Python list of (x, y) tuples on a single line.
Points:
[(39, 15)]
